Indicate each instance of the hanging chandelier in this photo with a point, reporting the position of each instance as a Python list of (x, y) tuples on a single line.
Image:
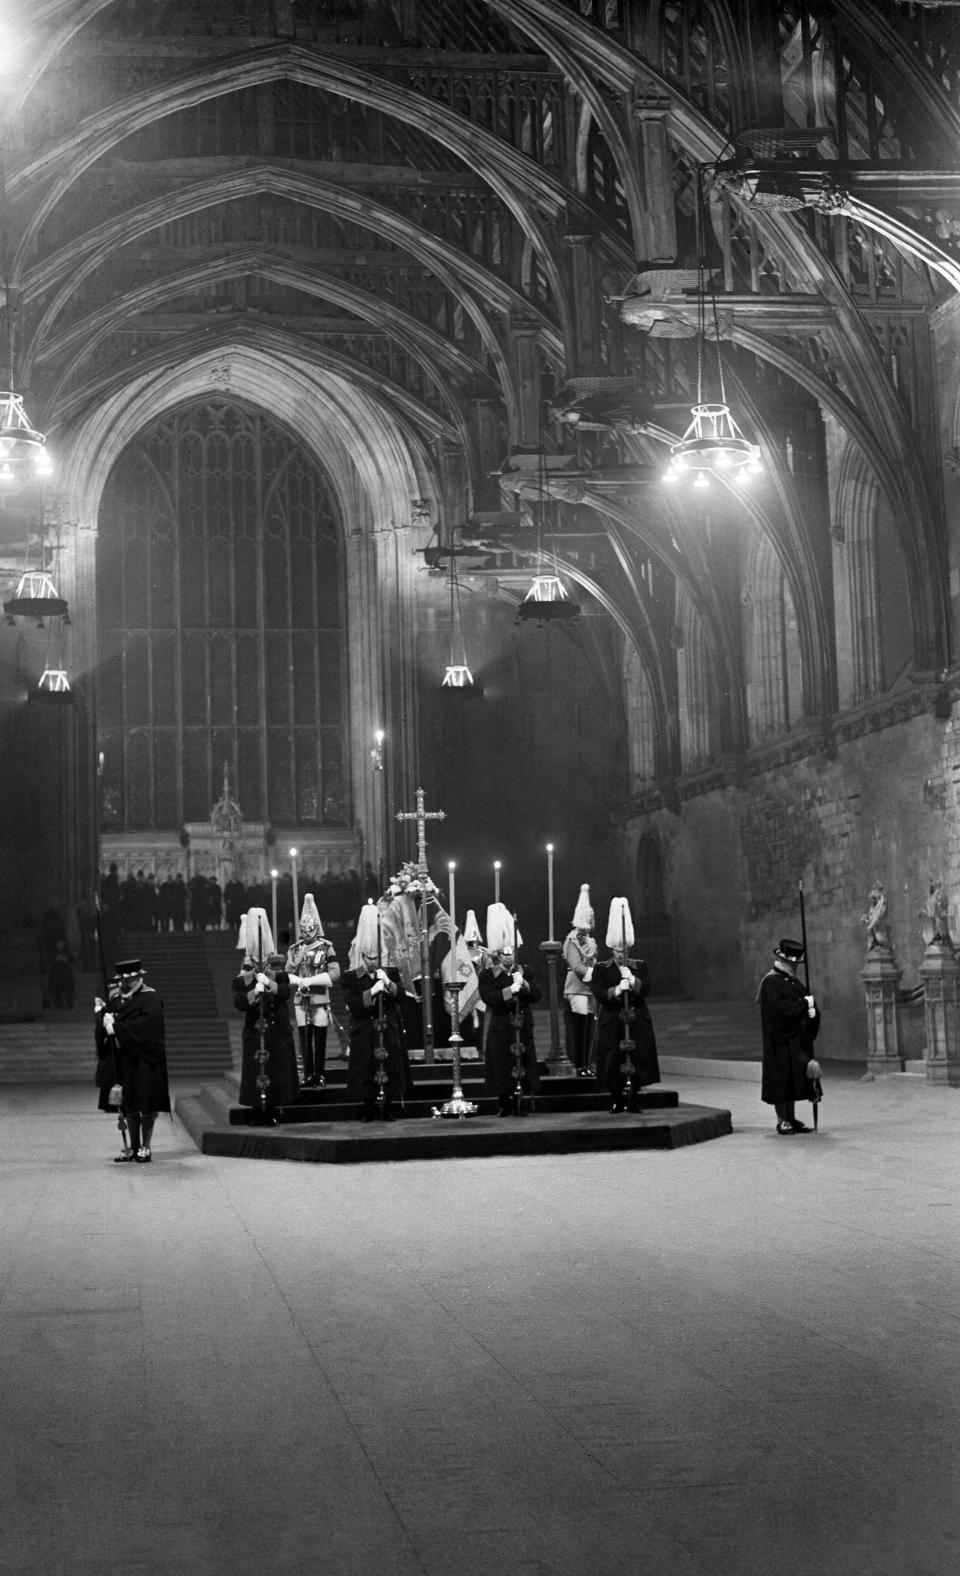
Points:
[(547, 600), (53, 689), (21, 446), (36, 597), (713, 444), (458, 680)]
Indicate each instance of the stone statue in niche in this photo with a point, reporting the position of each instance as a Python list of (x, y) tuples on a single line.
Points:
[(935, 917), (875, 919)]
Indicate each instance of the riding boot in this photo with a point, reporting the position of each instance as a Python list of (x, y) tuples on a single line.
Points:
[(319, 1052), (305, 1031)]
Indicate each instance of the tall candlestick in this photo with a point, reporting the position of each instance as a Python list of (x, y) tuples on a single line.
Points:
[(273, 886), (453, 922), (296, 895), (550, 888), (496, 880)]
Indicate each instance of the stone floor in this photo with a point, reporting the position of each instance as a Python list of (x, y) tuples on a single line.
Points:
[(737, 1358)]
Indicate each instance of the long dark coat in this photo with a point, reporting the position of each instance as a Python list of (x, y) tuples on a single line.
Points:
[(362, 1068), (281, 1068), (499, 1057), (139, 1062), (788, 1036), (611, 1028)]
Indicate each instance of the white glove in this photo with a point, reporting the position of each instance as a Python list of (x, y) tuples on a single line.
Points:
[(263, 979), (258, 988), (383, 976), (377, 988), (514, 990), (108, 1022), (624, 972), (518, 980), (623, 988), (811, 1005)]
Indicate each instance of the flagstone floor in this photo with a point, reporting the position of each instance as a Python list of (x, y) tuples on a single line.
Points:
[(737, 1359)]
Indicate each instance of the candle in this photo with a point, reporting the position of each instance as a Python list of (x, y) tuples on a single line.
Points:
[(296, 895), (273, 885), (496, 880), (451, 867), (550, 888)]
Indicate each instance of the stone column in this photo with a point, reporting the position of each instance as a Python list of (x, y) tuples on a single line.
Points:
[(585, 293), (881, 977), (940, 972), (658, 244), (526, 372)]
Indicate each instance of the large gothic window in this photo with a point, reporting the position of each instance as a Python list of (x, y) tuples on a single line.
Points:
[(221, 623)]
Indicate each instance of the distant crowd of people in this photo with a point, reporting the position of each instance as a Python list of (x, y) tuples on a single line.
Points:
[(139, 902)]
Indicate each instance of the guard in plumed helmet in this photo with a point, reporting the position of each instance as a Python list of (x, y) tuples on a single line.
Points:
[(312, 966), (621, 984), (473, 938), (508, 989), (378, 1074), (261, 991), (580, 956), (789, 1023)]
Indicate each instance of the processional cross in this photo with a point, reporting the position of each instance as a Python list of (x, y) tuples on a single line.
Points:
[(422, 816)]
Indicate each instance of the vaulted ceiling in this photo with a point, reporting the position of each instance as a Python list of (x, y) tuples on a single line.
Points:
[(443, 238)]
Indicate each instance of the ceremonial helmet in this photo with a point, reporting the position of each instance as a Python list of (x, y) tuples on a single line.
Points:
[(367, 941), (310, 923), (502, 933), (619, 923), (583, 916), (256, 938)]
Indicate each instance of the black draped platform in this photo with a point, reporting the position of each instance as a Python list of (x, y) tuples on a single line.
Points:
[(567, 1116)]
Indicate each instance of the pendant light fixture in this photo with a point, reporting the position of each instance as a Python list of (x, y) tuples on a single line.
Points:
[(547, 600), (713, 444), (458, 680)]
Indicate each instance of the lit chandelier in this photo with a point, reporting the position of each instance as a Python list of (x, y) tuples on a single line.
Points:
[(547, 599), (458, 680), (21, 446), (713, 444)]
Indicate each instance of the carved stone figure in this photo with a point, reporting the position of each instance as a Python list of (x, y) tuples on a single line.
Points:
[(935, 917), (875, 919)]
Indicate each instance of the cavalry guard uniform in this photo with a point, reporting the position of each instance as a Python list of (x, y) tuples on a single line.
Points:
[(312, 967), (508, 991), (378, 1076), (261, 991), (626, 1045), (580, 1007)]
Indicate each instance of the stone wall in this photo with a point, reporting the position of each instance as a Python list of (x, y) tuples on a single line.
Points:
[(880, 803)]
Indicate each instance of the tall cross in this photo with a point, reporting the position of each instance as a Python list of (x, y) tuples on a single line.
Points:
[(421, 816)]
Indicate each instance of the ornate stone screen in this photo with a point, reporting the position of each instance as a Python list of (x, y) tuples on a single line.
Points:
[(221, 626)]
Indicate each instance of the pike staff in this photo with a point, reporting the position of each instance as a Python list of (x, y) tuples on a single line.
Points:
[(813, 1066)]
